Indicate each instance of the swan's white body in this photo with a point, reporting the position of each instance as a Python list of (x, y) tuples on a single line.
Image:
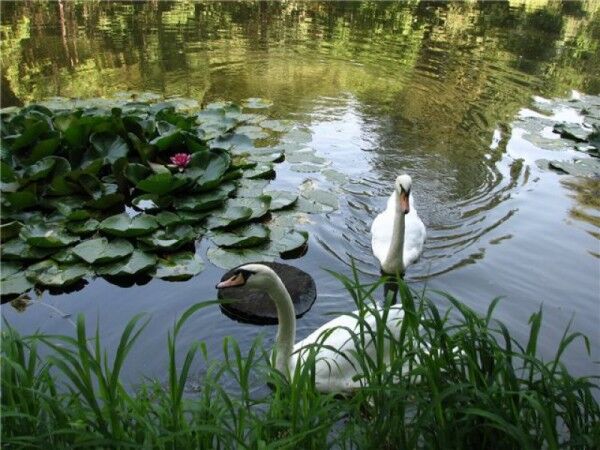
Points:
[(335, 367), (397, 238)]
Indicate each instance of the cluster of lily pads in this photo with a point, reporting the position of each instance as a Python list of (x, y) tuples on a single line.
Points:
[(566, 125), (131, 189)]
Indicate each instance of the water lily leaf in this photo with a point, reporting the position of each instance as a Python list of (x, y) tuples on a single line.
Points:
[(192, 217), (137, 262), (257, 103), (65, 256), (124, 226), (241, 161), (8, 268), (252, 131), (105, 196), (70, 207), (170, 238), (264, 157), (297, 136), (101, 250), (42, 149), (20, 200), (18, 249), (571, 131), (166, 218), (234, 142), (281, 199), (250, 188), (262, 170), (286, 239), (39, 170), (9, 230), (324, 200), (230, 258), (207, 168), (136, 172), (83, 227), (179, 267), (39, 235), (172, 138), (109, 147), (16, 284), (306, 156), (151, 202), (246, 236), (280, 126), (306, 168), (579, 167), (162, 183), (60, 275), (202, 202), (7, 174), (229, 216), (335, 177), (258, 205)]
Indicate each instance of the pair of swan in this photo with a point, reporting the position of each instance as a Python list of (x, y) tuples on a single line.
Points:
[(397, 239)]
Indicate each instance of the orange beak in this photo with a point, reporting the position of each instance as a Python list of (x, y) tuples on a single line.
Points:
[(404, 203), (236, 280)]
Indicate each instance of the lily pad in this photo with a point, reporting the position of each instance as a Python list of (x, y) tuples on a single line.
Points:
[(280, 126), (229, 217), (579, 167), (257, 103), (170, 238), (297, 136), (10, 230), (60, 275), (252, 131), (335, 177), (245, 236), (287, 239), (308, 156), (306, 168), (16, 284), (166, 218), (202, 202), (101, 250), (179, 267), (162, 183), (250, 188), (137, 262), (151, 202), (262, 170), (18, 249), (65, 256), (230, 258), (83, 227), (281, 199), (258, 205), (108, 146), (319, 200), (8, 268), (124, 226), (38, 235)]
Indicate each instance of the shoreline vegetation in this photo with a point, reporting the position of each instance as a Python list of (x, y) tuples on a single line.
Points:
[(455, 380)]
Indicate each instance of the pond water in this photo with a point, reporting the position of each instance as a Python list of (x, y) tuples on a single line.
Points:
[(429, 89)]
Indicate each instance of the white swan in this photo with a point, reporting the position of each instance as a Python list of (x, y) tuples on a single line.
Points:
[(398, 234), (334, 372)]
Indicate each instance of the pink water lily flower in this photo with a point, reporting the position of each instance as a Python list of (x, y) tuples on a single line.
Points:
[(181, 160)]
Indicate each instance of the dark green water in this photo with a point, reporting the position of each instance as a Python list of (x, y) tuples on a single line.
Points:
[(430, 89)]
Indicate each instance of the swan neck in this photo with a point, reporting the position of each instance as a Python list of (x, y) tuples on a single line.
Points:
[(394, 261), (286, 331)]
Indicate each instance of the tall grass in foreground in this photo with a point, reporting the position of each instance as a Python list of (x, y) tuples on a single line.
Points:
[(449, 384)]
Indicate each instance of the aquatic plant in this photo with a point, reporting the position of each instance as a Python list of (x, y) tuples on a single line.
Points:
[(118, 188), (451, 383)]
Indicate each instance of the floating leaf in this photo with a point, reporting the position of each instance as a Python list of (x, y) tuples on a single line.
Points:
[(202, 202), (39, 235), (281, 199), (262, 170), (258, 205), (166, 218), (252, 131), (20, 200), (8, 268), (137, 262), (179, 267), (9, 230), (83, 227), (70, 207), (151, 202), (124, 226), (257, 103), (65, 256), (170, 238), (229, 216), (18, 249), (286, 239), (280, 126), (105, 196), (230, 258), (101, 250), (108, 146), (16, 284), (245, 236), (297, 136), (162, 183), (250, 188), (335, 177), (39, 170), (61, 275), (306, 168)]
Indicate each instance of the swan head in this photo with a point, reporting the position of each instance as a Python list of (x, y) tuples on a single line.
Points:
[(403, 184), (252, 276)]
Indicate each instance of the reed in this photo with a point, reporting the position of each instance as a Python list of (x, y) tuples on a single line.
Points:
[(449, 383)]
